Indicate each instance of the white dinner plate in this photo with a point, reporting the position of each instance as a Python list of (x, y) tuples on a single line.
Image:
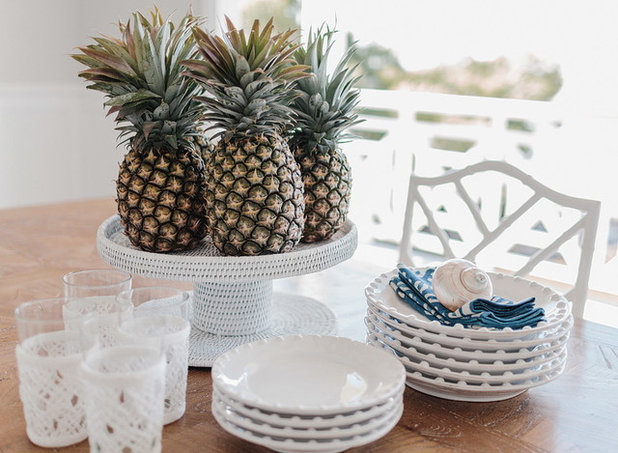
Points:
[(306, 445), (482, 357), (411, 364), (556, 307), (469, 343), (308, 374), (508, 355), (519, 366), (460, 392), (307, 421), (303, 434)]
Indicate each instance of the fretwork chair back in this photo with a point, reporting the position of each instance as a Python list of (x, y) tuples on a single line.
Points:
[(500, 217)]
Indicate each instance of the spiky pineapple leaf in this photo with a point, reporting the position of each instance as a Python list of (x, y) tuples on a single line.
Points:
[(140, 95), (115, 47), (249, 76), (327, 104), (110, 60), (141, 78)]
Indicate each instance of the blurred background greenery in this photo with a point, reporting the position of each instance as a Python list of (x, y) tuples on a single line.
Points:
[(381, 69)]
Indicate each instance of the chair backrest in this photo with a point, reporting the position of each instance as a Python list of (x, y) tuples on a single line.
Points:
[(500, 217)]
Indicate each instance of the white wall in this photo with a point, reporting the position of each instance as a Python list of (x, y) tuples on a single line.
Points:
[(55, 142)]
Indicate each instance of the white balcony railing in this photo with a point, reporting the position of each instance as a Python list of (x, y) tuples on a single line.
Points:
[(431, 133)]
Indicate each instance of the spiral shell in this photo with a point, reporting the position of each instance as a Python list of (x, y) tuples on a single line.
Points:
[(457, 282)]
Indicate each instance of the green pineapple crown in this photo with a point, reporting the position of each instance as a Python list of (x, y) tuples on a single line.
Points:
[(141, 76), (249, 79), (327, 104)]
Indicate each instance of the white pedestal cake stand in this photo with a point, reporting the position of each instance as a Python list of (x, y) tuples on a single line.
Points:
[(233, 301)]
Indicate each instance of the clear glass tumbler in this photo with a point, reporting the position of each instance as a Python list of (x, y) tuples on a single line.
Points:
[(124, 387), (95, 283), (159, 300), (92, 294), (161, 315), (171, 334), (48, 358)]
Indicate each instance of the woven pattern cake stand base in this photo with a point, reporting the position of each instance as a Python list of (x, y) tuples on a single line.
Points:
[(291, 314), (233, 301)]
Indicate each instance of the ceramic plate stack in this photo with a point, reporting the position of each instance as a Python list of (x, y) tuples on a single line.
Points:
[(307, 393), (471, 364)]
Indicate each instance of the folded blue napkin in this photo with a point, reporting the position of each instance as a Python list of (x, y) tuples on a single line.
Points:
[(415, 287)]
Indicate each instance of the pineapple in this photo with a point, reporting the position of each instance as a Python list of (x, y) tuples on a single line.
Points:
[(160, 186), (254, 192), (324, 110)]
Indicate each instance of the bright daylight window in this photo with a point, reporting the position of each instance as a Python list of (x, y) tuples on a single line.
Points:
[(449, 83)]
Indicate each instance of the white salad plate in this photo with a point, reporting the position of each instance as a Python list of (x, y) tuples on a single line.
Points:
[(472, 365), (460, 391), (507, 378), (474, 344), (482, 357), (557, 309), (412, 338), (288, 432), (308, 375), (307, 421), (296, 445), (412, 364)]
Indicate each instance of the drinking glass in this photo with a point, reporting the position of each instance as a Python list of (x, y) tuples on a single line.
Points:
[(92, 294), (161, 315), (171, 334), (102, 329), (48, 358), (95, 283), (158, 300), (124, 387)]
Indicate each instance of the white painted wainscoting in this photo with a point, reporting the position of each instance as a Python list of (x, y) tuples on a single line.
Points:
[(55, 145), (55, 142)]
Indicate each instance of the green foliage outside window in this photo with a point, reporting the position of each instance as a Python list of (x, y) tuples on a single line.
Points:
[(497, 78), (381, 68)]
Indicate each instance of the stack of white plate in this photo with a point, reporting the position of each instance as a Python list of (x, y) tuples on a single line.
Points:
[(307, 393), (471, 364)]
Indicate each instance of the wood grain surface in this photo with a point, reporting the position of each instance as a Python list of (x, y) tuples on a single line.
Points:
[(577, 412)]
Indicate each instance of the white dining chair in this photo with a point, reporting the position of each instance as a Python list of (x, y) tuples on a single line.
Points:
[(500, 217)]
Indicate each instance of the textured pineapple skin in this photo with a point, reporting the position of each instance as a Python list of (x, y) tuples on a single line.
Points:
[(160, 196), (327, 181), (254, 196)]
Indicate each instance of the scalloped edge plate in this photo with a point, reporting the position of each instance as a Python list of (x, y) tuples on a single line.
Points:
[(290, 446), (445, 390), (308, 374), (481, 356), (557, 308), (308, 422), (412, 334), (470, 343), (471, 365), (506, 377), (441, 383), (305, 434)]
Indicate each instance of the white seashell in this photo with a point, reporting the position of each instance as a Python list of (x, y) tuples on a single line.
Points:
[(457, 282)]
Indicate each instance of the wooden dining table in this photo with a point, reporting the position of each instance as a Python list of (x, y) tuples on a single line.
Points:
[(576, 412)]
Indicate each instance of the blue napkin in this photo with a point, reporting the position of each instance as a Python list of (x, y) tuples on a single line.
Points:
[(415, 287)]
